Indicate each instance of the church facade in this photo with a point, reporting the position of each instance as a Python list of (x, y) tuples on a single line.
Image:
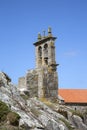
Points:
[(42, 81)]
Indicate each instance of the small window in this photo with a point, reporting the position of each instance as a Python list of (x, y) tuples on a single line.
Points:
[(45, 50), (46, 61), (40, 51)]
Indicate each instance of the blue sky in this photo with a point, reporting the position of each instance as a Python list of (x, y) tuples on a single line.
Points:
[(20, 22)]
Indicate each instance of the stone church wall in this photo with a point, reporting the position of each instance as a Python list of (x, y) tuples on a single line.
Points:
[(40, 83), (50, 85), (32, 83), (21, 83), (47, 83)]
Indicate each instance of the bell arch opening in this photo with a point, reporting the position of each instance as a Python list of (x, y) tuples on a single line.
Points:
[(46, 54), (40, 54)]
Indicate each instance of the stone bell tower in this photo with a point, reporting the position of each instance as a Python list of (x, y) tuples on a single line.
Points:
[(46, 65), (42, 81), (45, 50)]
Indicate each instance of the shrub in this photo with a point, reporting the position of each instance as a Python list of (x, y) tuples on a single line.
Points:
[(4, 110), (35, 112), (25, 97), (78, 113), (13, 118), (48, 103), (63, 112), (67, 124)]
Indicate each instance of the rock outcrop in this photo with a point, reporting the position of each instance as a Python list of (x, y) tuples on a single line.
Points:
[(38, 114)]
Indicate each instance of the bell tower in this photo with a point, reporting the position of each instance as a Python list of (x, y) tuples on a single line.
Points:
[(45, 50), (46, 65), (42, 82)]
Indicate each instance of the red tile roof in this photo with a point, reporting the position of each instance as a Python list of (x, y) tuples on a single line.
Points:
[(73, 95)]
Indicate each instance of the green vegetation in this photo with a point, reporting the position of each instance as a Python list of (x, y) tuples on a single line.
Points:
[(35, 112), (7, 115), (13, 118), (63, 112), (9, 128), (48, 103), (25, 97), (4, 110), (67, 124), (78, 113)]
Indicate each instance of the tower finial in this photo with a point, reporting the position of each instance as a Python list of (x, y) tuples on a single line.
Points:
[(39, 36), (49, 31), (44, 33)]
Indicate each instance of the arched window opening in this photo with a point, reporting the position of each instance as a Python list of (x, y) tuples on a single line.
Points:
[(39, 55), (45, 51), (46, 61), (40, 51)]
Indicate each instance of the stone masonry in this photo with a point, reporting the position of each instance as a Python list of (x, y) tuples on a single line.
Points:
[(42, 82)]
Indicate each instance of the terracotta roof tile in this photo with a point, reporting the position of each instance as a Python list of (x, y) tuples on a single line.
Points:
[(73, 95)]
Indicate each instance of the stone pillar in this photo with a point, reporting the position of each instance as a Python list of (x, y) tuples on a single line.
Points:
[(51, 53), (43, 55), (38, 58)]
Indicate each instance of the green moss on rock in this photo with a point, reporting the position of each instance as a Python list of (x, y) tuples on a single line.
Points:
[(7, 115), (4, 110)]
